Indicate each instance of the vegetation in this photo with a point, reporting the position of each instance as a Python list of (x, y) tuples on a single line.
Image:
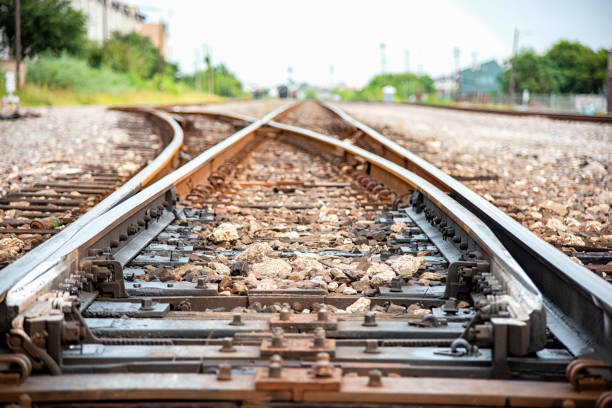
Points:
[(46, 26), (406, 85), (568, 67), (65, 68), (225, 82)]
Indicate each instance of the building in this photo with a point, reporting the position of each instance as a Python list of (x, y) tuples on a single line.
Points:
[(445, 86), (106, 16), (486, 79), (157, 34), (119, 17)]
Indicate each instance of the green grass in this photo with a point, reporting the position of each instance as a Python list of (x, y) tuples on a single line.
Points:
[(66, 80), (35, 95)]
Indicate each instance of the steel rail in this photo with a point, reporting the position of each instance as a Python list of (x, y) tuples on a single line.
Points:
[(574, 117), (180, 386), (64, 257), (526, 302), (45, 253), (579, 302), (122, 387)]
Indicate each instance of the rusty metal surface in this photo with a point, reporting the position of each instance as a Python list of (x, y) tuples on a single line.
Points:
[(581, 300), (114, 332), (160, 165)]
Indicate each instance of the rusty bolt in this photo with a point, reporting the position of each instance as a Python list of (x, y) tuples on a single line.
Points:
[(323, 367), (278, 338), (201, 283), (237, 320), (276, 366), (369, 320), (225, 372), (375, 378), (322, 314), (319, 338), (146, 304), (371, 346), (285, 314), (228, 345)]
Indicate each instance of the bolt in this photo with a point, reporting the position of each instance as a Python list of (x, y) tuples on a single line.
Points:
[(276, 366), (137, 285), (146, 304), (237, 320), (396, 284), (319, 338), (278, 338), (285, 314), (322, 314), (201, 283), (450, 306), (225, 372), (323, 367), (375, 378), (371, 346), (227, 345), (369, 320), (170, 284)]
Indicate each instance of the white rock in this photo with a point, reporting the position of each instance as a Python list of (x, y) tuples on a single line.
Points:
[(599, 209), (255, 252), (556, 225), (332, 286), (271, 268), (398, 227), (380, 273), (349, 291), (360, 305), (407, 265), (557, 208), (225, 232)]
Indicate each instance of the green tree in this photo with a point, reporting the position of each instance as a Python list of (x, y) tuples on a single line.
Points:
[(131, 53), (406, 85), (46, 26), (584, 70), (533, 72)]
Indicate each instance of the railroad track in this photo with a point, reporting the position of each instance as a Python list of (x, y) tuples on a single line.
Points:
[(576, 117), (290, 267)]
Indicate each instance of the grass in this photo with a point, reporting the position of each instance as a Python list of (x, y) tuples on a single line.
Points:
[(66, 80), (35, 95)]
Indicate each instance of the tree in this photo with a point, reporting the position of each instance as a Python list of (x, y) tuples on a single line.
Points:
[(584, 70), (533, 72), (131, 53), (46, 26)]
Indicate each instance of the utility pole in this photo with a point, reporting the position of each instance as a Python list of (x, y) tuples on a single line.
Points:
[(475, 74), (209, 65), (105, 26), (457, 54), (18, 42), (609, 84), (197, 75), (160, 63), (383, 58), (514, 49), (407, 61)]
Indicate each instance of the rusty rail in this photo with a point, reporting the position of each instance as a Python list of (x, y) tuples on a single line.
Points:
[(163, 164)]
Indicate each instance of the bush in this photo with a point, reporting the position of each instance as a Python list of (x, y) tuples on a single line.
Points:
[(66, 72)]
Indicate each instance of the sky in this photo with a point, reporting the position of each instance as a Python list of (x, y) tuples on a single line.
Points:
[(339, 41)]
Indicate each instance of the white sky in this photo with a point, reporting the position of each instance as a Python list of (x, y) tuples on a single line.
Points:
[(259, 40)]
